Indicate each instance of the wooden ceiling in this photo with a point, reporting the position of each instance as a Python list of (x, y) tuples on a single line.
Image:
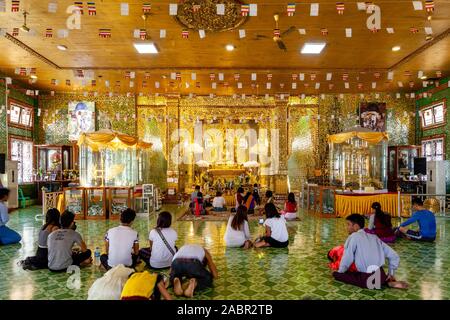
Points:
[(361, 57)]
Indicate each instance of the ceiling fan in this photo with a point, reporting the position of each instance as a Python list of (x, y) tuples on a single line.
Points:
[(278, 38), (24, 27)]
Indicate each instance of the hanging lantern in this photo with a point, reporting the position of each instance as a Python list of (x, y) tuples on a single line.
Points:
[(294, 76), (237, 76), (340, 7), (185, 34), (276, 33), (290, 9), (429, 6), (245, 9)]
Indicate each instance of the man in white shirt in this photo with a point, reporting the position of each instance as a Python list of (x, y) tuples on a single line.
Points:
[(121, 243), (368, 253), (219, 202)]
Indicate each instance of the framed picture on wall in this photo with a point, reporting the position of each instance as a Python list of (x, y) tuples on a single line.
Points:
[(372, 115), (81, 118)]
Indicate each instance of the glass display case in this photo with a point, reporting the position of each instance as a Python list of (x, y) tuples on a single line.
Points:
[(74, 201), (358, 159), (119, 200), (318, 199), (95, 203), (111, 159), (56, 162), (401, 165)]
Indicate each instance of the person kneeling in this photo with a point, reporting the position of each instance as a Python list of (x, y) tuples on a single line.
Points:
[(60, 246), (276, 231), (190, 262), (368, 253)]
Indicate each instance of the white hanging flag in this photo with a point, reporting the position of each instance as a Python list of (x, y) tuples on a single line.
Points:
[(193, 76), (361, 6), (213, 85), (346, 85), (417, 5), (301, 76), (329, 76), (241, 33), (63, 33), (420, 74), (239, 85), (253, 10), (397, 95), (314, 10), (390, 30), (253, 76), (317, 85), (173, 75), (268, 85), (390, 75), (124, 9), (302, 31), (201, 33), (52, 7), (220, 9), (322, 96), (221, 77), (348, 32), (294, 85), (377, 95), (374, 85), (156, 84), (400, 84), (173, 9), (428, 30), (162, 33)]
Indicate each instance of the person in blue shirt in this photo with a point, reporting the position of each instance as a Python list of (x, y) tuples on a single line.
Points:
[(426, 221), (7, 235)]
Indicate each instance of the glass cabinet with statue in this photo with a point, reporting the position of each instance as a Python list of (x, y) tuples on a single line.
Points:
[(95, 203), (401, 165), (358, 159), (56, 163), (74, 201), (119, 200)]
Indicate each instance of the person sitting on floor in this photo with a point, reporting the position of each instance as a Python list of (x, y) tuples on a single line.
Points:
[(121, 243), (145, 286), (190, 262), (162, 243), (256, 194), (239, 198), (268, 199), (380, 224), (198, 205), (60, 246), (368, 253), (219, 202), (290, 207), (249, 202), (237, 233), (40, 260), (276, 231), (426, 221), (7, 235)]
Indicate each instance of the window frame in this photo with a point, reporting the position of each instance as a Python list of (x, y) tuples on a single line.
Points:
[(33, 156), (21, 105), (435, 137), (432, 106)]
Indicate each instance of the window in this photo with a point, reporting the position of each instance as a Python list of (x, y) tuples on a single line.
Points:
[(22, 151), (433, 149), (20, 115), (433, 116)]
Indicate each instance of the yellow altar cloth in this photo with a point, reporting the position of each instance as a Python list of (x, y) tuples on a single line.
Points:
[(348, 204)]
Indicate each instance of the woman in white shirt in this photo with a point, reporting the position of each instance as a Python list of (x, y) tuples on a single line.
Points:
[(276, 231), (238, 232), (219, 202), (162, 243)]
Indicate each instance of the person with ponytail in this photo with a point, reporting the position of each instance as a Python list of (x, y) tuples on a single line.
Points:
[(380, 224)]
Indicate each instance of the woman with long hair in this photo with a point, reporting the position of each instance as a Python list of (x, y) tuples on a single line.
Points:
[(239, 197), (380, 224), (40, 260), (276, 231), (238, 232), (290, 207)]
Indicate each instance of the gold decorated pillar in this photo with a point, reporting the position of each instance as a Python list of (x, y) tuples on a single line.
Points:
[(173, 149), (281, 144)]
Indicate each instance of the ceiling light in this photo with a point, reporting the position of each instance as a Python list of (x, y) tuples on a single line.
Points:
[(148, 47), (396, 48), (61, 47), (313, 48), (423, 77), (229, 47), (33, 76), (25, 28)]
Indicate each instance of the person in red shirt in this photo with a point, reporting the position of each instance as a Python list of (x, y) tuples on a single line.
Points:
[(290, 207)]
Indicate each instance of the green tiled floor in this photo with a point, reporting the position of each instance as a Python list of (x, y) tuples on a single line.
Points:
[(298, 272)]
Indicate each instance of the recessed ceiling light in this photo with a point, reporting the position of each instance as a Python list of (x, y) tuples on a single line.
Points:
[(396, 48), (229, 47), (423, 77), (61, 47), (313, 48), (146, 47), (33, 76)]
